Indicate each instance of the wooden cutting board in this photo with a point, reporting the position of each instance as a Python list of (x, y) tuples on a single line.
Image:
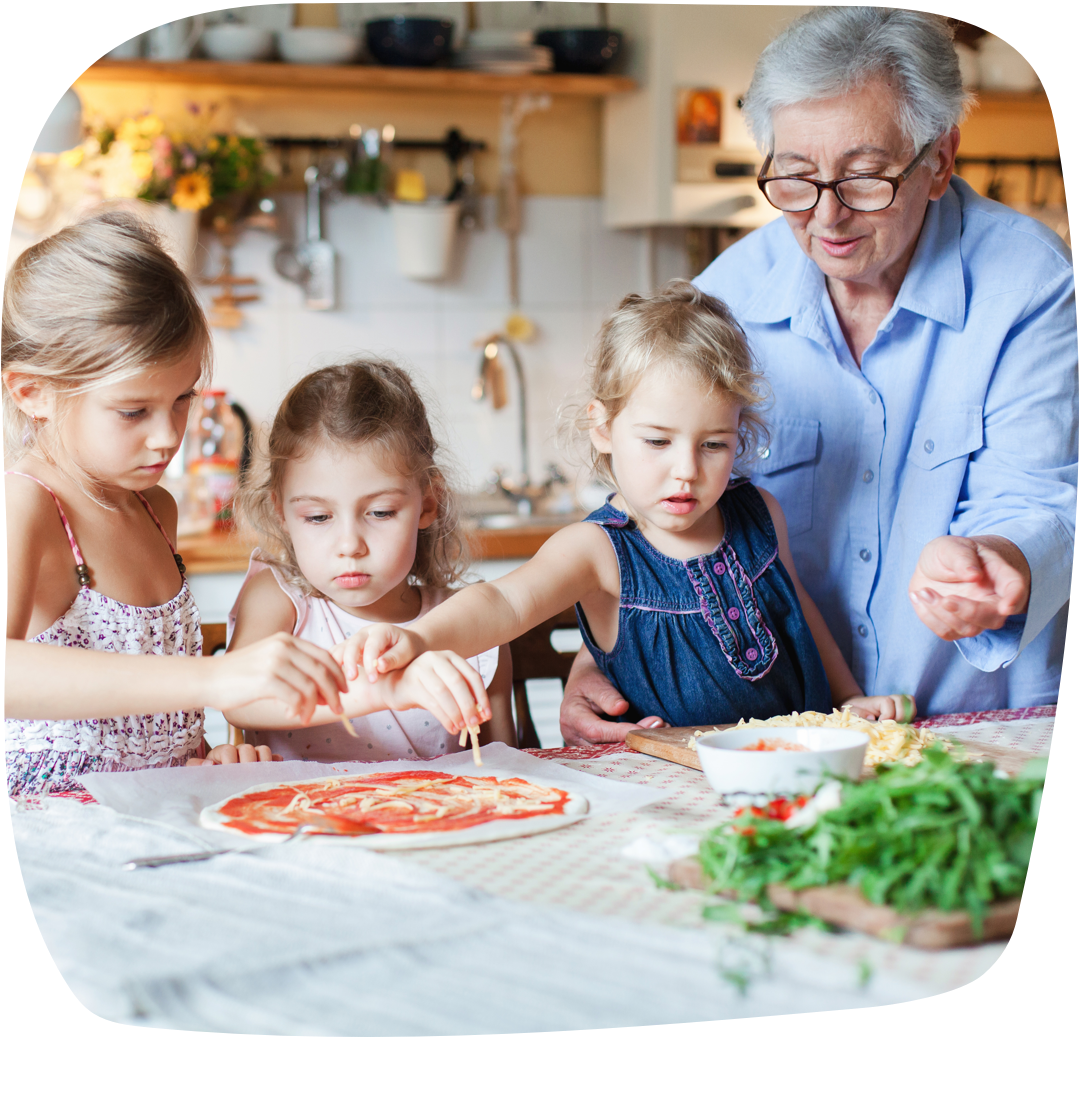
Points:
[(672, 744), (845, 906)]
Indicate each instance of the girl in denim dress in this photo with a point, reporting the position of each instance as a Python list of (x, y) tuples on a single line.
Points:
[(686, 592)]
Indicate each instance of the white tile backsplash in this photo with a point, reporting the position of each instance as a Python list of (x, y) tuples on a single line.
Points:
[(572, 272)]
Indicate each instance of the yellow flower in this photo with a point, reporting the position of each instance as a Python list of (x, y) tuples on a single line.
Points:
[(213, 144), (151, 125), (72, 157), (130, 133), (192, 192), (142, 165)]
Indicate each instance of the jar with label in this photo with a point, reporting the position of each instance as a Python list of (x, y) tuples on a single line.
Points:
[(213, 446)]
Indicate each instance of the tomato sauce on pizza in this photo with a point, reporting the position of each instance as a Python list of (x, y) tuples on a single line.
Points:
[(402, 801)]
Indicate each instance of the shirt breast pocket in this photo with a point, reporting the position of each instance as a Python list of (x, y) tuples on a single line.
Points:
[(943, 438), (786, 469)]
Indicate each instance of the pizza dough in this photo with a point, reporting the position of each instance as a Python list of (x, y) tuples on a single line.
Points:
[(394, 810)]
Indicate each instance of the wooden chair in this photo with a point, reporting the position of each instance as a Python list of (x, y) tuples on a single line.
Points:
[(214, 640), (534, 657)]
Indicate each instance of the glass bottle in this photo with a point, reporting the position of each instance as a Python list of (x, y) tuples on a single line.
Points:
[(212, 448)]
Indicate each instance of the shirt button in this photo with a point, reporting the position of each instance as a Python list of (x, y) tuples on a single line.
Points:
[(871, 396), (864, 554), (928, 446), (751, 654), (863, 631), (718, 568), (868, 476), (765, 452), (733, 613)]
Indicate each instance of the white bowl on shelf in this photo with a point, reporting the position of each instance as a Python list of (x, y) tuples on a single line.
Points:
[(318, 46), (823, 752), (237, 42)]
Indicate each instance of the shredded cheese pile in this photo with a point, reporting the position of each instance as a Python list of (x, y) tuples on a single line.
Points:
[(889, 741)]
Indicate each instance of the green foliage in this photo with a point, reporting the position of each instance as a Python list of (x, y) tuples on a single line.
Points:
[(942, 834)]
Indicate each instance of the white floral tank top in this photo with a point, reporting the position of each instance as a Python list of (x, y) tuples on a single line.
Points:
[(380, 736), (47, 756)]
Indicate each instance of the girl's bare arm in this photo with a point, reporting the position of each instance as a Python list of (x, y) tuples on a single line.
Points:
[(51, 682), (575, 562)]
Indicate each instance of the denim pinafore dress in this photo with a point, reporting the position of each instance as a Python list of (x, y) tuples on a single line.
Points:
[(715, 638)]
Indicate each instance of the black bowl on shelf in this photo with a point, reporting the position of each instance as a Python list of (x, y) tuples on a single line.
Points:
[(581, 50), (409, 40)]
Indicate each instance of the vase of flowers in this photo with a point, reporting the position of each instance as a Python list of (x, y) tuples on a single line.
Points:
[(182, 175)]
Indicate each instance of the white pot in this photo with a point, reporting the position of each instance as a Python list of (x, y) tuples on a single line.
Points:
[(318, 46), (237, 42), (178, 229), (1004, 67), (174, 41), (424, 233)]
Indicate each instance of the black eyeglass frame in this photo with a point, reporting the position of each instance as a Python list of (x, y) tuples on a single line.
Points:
[(893, 180)]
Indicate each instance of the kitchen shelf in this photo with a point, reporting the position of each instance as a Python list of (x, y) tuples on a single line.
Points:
[(378, 78)]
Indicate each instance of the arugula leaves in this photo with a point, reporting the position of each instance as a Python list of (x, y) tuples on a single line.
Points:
[(942, 834)]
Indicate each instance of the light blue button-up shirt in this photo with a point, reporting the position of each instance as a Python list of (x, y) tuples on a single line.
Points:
[(962, 420)]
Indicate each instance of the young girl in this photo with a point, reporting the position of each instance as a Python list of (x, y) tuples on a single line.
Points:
[(357, 525), (686, 591), (104, 345)]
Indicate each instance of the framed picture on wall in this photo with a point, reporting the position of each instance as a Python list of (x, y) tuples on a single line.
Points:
[(698, 115)]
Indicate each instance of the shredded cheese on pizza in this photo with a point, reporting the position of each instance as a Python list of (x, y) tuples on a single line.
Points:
[(403, 801), (889, 741)]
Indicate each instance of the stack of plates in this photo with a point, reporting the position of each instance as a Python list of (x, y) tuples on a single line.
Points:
[(498, 51)]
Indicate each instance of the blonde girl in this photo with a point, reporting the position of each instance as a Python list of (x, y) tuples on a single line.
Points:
[(686, 592), (357, 525), (104, 345)]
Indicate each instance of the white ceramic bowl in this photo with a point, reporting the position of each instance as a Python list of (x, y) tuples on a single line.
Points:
[(318, 46), (237, 42), (829, 752)]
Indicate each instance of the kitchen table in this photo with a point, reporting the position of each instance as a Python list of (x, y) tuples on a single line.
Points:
[(550, 932)]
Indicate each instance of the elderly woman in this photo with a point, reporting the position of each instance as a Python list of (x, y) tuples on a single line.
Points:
[(920, 341)]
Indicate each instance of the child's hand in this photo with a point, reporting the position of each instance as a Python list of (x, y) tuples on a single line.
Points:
[(899, 707), (445, 685), (228, 753), (380, 648), (282, 667)]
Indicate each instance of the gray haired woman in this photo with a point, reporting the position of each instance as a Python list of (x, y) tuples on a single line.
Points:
[(920, 341)]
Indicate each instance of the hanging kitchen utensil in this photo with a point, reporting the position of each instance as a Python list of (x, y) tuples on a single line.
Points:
[(493, 375), (315, 255)]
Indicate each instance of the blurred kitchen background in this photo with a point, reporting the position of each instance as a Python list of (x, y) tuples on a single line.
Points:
[(466, 187)]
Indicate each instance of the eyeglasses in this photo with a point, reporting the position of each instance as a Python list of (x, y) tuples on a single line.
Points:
[(795, 194)]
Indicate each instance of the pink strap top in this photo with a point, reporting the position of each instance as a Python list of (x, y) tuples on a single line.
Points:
[(81, 570)]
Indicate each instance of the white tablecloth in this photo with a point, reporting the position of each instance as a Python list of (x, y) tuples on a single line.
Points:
[(317, 938)]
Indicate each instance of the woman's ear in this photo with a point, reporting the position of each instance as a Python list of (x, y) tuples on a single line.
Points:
[(429, 507), (29, 394), (599, 431), (945, 150)]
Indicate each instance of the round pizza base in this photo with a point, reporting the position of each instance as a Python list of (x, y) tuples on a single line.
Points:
[(575, 808)]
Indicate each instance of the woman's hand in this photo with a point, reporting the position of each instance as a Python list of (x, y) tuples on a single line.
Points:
[(380, 648), (445, 685), (589, 694), (295, 672), (899, 707), (965, 585), (228, 753)]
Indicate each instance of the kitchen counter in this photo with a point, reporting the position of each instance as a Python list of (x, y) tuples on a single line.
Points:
[(221, 551)]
